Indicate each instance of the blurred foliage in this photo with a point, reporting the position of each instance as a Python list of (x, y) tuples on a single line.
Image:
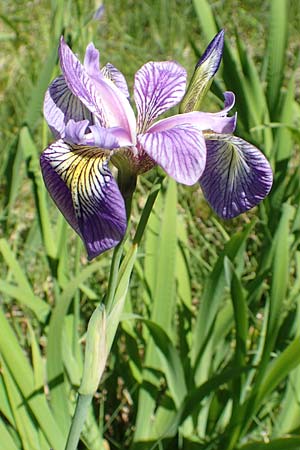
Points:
[(210, 358)]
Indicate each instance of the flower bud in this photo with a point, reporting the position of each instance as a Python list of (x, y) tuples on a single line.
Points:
[(95, 352), (203, 75)]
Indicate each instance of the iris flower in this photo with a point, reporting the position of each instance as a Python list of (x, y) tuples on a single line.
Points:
[(90, 115)]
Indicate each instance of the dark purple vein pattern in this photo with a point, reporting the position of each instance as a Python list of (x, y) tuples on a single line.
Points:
[(237, 175), (83, 188), (180, 151), (157, 87)]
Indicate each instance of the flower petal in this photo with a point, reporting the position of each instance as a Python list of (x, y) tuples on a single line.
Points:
[(158, 86), (60, 105), (237, 176), (113, 74), (92, 61), (97, 93), (180, 151), (229, 101), (81, 133), (204, 121), (83, 188), (203, 75)]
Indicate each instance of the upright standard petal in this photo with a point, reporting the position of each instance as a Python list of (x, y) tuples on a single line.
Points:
[(180, 151), (157, 87), (98, 94), (83, 188), (60, 105), (113, 74), (203, 75), (237, 176), (92, 61)]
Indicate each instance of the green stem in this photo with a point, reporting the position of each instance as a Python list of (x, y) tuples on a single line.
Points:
[(113, 276), (147, 211), (82, 405), (115, 264)]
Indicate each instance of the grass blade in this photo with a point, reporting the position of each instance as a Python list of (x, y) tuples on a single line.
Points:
[(277, 41)]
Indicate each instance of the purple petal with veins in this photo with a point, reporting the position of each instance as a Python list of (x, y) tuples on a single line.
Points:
[(157, 87), (237, 175), (60, 105), (99, 95), (113, 74), (58, 190), (217, 122), (180, 151), (201, 120), (83, 188)]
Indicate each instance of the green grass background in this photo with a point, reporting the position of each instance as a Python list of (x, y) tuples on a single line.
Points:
[(212, 362)]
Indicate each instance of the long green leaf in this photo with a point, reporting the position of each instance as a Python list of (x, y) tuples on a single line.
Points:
[(279, 369), (280, 276), (38, 93), (276, 50), (25, 426), (171, 364), (163, 302), (31, 155), (285, 443), (23, 291), (18, 365), (213, 294), (7, 441)]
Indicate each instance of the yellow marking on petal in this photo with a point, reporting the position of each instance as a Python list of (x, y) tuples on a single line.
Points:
[(81, 170)]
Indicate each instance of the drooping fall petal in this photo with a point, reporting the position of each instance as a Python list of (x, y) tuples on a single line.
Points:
[(83, 188), (237, 175)]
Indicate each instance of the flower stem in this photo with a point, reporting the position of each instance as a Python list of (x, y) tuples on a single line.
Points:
[(113, 276), (147, 211), (116, 259), (82, 405)]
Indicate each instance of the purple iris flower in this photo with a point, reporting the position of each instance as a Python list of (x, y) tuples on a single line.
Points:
[(89, 113)]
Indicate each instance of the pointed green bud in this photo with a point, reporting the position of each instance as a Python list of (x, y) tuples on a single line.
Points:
[(203, 75), (95, 352)]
